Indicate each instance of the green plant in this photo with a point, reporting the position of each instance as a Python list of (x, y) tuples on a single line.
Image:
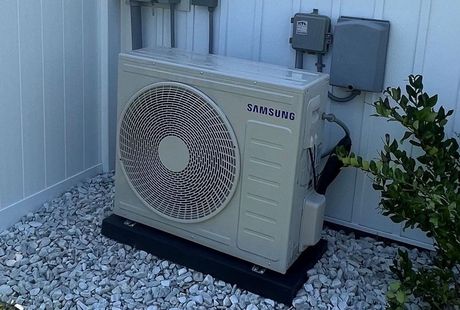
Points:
[(421, 191), (5, 306)]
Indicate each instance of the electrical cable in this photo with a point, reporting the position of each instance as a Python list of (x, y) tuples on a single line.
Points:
[(319, 63), (313, 168), (172, 8), (333, 119), (332, 167), (211, 30), (354, 93)]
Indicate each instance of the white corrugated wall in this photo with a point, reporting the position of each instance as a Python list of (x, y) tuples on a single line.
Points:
[(49, 100), (424, 40), (58, 81)]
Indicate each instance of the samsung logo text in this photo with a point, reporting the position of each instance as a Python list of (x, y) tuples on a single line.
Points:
[(270, 111)]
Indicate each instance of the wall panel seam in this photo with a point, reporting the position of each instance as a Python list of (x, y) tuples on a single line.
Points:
[(65, 92), (20, 98), (43, 95), (422, 36), (83, 80)]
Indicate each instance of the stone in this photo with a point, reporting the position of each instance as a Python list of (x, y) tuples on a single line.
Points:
[(5, 290), (193, 289), (233, 299), (56, 294), (308, 288), (208, 280), (342, 305), (226, 302), (198, 299), (197, 276), (336, 283), (35, 224), (34, 292), (188, 279), (66, 263), (191, 304), (81, 306)]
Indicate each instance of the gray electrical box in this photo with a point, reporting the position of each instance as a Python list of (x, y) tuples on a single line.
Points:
[(311, 32), (208, 3), (359, 53)]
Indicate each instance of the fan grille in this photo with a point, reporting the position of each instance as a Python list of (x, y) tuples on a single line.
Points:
[(206, 184)]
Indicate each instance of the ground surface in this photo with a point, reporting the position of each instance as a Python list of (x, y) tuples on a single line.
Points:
[(57, 259)]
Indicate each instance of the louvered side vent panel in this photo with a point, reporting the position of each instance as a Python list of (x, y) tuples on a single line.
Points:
[(179, 152), (267, 179)]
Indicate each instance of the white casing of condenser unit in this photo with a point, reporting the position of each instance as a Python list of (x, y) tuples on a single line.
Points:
[(268, 211)]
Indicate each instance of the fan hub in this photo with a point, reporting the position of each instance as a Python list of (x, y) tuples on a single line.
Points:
[(174, 153)]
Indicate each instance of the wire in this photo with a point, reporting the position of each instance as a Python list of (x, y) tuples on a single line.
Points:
[(319, 62), (312, 162), (333, 119), (354, 93)]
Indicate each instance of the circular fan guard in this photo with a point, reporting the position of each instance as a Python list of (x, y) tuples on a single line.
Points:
[(208, 181)]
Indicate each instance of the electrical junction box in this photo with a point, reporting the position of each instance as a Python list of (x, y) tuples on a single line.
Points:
[(208, 3), (181, 5), (310, 32), (359, 53)]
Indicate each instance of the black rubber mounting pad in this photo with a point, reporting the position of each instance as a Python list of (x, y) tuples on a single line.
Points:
[(278, 287)]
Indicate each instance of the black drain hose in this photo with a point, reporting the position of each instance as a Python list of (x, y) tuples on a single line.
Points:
[(333, 165)]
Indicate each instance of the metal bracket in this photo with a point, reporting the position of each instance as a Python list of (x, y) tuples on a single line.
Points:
[(181, 5), (258, 269), (129, 223)]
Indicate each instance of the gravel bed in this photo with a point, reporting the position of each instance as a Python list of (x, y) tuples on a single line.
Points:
[(57, 259)]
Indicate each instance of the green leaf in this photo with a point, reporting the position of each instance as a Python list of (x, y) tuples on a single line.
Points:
[(394, 286), (406, 136), (387, 138), (434, 221), (431, 102), (400, 297), (411, 92)]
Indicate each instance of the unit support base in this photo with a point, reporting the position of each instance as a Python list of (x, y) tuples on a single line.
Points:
[(269, 284)]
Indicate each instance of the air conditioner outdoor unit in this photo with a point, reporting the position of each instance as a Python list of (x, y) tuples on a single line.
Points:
[(215, 150)]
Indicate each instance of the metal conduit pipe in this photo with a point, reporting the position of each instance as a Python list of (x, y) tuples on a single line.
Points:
[(211, 30), (172, 8), (299, 59), (136, 26)]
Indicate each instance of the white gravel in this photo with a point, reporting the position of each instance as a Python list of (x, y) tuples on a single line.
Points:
[(57, 259)]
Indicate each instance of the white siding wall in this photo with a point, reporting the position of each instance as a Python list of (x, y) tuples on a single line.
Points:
[(424, 40), (49, 100)]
